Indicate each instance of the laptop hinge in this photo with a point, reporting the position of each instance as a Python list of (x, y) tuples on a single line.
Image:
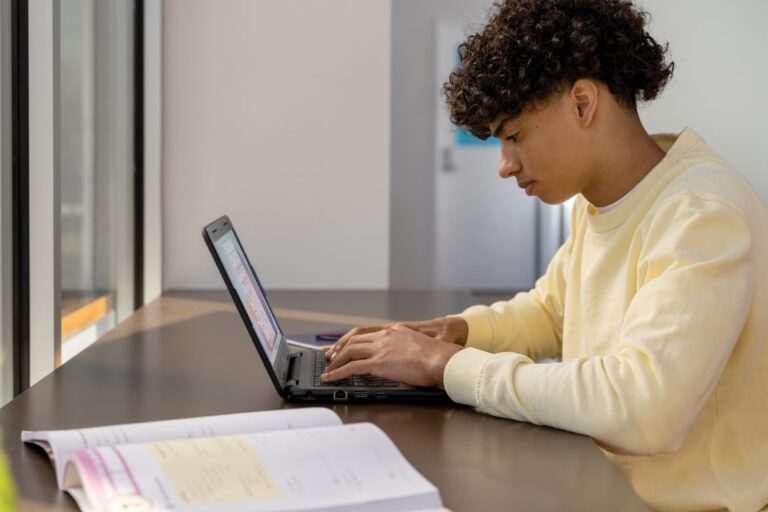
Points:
[(294, 367)]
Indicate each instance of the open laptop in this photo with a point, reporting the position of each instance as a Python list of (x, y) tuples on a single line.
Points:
[(296, 373)]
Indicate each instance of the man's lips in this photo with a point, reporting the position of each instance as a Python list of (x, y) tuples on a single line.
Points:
[(523, 184), (527, 185)]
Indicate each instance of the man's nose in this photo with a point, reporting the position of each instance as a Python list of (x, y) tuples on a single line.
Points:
[(509, 166)]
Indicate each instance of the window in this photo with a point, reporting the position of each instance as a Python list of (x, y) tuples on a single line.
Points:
[(96, 157), (72, 87)]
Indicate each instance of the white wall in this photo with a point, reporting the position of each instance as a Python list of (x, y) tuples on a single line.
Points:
[(249, 101), (720, 51), (277, 113)]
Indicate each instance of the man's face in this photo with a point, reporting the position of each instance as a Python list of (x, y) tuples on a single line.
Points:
[(545, 150)]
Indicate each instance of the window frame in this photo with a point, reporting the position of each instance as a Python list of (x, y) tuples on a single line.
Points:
[(29, 62), (8, 381), (44, 189), (20, 194), (151, 124)]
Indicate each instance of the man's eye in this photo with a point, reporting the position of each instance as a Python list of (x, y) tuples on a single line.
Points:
[(512, 137)]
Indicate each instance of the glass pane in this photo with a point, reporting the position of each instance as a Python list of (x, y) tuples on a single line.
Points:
[(95, 165), (6, 245)]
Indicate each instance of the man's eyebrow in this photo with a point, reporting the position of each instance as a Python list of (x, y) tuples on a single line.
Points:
[(500, 128)]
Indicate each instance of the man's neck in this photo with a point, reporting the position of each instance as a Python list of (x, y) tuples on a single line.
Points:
[(628, 155)]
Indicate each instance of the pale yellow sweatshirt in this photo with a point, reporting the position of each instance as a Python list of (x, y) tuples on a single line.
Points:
[(659, 311)]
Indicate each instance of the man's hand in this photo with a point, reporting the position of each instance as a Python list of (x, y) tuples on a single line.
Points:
[(451, 329), (397, 353)]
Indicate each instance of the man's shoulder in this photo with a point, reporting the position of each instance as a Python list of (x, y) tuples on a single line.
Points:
[(704, 174), (710, 180)]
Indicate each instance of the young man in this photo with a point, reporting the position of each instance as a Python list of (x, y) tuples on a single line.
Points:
[(657, 302)]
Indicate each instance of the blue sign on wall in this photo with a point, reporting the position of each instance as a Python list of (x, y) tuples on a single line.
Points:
[(464, 139)]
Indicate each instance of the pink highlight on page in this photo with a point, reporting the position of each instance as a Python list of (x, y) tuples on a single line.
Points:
[(107, 479), (92, 471)]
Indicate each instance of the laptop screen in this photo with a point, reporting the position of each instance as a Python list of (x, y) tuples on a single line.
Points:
[(251, 296)]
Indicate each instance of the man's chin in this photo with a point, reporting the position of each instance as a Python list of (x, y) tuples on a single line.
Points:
[(551, 199), (546, 199)]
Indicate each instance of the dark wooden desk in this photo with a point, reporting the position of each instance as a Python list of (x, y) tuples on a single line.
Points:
[(188, 354)]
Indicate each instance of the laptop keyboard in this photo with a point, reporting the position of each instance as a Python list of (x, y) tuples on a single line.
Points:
[(356, 381)]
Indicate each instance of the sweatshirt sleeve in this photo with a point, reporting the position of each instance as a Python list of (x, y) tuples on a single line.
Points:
[(531, 323), (641, 397)]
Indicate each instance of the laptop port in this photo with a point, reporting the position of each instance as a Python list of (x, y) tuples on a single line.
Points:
[(339, 395), (360, 394)]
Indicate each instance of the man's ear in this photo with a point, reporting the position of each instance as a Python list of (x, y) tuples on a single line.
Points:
[(584, 96)]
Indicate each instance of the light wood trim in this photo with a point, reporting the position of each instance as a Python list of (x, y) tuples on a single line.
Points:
[(82, 317)]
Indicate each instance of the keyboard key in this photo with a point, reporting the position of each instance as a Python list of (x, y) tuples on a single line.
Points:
[(370, 381)]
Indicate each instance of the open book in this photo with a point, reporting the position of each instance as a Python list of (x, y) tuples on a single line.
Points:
[(295, 459)]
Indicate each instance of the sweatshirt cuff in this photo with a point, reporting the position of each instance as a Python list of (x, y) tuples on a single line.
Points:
[(480, 328), (462, 375)]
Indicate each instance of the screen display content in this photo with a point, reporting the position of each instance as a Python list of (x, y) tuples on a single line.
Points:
[(251, 295)]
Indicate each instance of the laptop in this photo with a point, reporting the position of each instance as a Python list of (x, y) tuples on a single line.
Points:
[(295, 373)]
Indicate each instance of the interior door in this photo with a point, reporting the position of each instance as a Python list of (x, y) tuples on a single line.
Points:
[(486, 227)]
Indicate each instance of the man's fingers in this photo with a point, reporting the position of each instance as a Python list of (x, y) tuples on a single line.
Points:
[(331, 352), (352, 352), (360, 367), (345, 339), (354, 334)]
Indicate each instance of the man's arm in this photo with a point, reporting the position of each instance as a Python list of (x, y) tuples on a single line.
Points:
[(643, 396)]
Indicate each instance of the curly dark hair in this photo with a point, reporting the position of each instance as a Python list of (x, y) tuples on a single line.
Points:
[(532, 49)]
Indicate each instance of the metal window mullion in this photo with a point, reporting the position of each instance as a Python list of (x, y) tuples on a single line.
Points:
[(87, 244), (152, 150), (44, 189), (114, 157), (123, 153), (138, 153), (20, 195)]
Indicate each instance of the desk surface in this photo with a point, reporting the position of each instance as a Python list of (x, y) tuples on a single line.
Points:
[(188, 354)]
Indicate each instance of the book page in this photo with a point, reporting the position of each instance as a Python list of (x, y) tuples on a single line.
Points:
[(80, 499), (215, 469), (348, 467), (61, 443)]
